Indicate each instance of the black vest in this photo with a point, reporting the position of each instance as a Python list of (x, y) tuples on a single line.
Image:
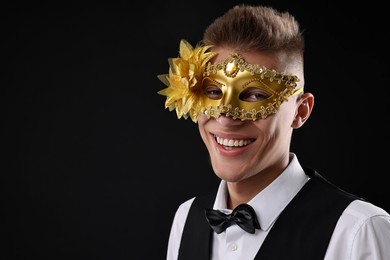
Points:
[(302, 231)]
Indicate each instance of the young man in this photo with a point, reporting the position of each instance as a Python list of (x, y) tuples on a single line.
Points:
[(244, 87)]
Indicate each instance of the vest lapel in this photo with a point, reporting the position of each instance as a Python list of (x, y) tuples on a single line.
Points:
[(197, 234)]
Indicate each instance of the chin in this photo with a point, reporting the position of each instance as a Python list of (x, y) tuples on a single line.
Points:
[(229, 174)]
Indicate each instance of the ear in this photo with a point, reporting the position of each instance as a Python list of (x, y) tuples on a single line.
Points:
[(304, 109)]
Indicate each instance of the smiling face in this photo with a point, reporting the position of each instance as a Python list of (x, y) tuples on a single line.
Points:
[(240, 149)]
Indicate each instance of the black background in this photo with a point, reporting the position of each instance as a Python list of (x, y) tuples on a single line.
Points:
[(94, 167)]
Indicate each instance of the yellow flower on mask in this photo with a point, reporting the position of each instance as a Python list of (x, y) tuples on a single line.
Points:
[(184, 80)]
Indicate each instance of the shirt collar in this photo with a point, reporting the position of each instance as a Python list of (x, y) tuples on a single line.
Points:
[(271, 201)]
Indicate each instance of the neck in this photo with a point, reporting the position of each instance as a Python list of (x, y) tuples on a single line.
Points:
[(245, 190)]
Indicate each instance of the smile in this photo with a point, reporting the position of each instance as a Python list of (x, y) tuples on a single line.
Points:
[(233, 143)]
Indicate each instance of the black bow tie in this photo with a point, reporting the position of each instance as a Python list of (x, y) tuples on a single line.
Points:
[(243, 215)]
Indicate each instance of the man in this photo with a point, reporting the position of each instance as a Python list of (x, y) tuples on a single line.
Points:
[(244, 87)]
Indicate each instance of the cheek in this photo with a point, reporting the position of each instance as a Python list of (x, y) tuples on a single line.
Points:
[(273, 125), (287, 115), (279, 123), (202, 120), (265, 127)]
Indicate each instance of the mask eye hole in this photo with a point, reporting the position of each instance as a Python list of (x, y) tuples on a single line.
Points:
[(213, 92), (253, 94)]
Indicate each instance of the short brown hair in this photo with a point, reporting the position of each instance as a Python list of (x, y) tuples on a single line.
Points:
[(256, 28)]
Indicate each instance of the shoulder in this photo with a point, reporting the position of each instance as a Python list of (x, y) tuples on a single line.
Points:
[(196, 205), (368, 218), (362, 229), (181, 214), (360, 214), (177, 228), (365, 209), (184, 207)]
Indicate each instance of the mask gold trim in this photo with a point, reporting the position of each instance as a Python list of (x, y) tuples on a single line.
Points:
[(234, 74)]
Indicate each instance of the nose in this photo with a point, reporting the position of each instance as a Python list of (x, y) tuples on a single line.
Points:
[(229, 121)]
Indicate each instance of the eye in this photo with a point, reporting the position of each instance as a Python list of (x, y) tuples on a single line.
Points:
[(254, 94), (213, 92)]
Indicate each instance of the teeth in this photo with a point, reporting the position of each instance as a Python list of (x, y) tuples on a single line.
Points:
[(233, 142)]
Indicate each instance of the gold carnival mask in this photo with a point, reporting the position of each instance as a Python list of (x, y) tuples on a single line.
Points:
[(229, 88)]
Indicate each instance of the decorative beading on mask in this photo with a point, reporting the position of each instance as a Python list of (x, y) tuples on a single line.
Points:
[(190, 73)]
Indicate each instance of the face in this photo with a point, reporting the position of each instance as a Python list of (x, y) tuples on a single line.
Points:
[(240, 149)]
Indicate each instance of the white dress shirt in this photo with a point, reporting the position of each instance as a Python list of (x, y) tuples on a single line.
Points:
[(362, 231)]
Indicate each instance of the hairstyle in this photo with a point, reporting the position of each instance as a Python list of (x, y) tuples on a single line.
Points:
[(256, 28)]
